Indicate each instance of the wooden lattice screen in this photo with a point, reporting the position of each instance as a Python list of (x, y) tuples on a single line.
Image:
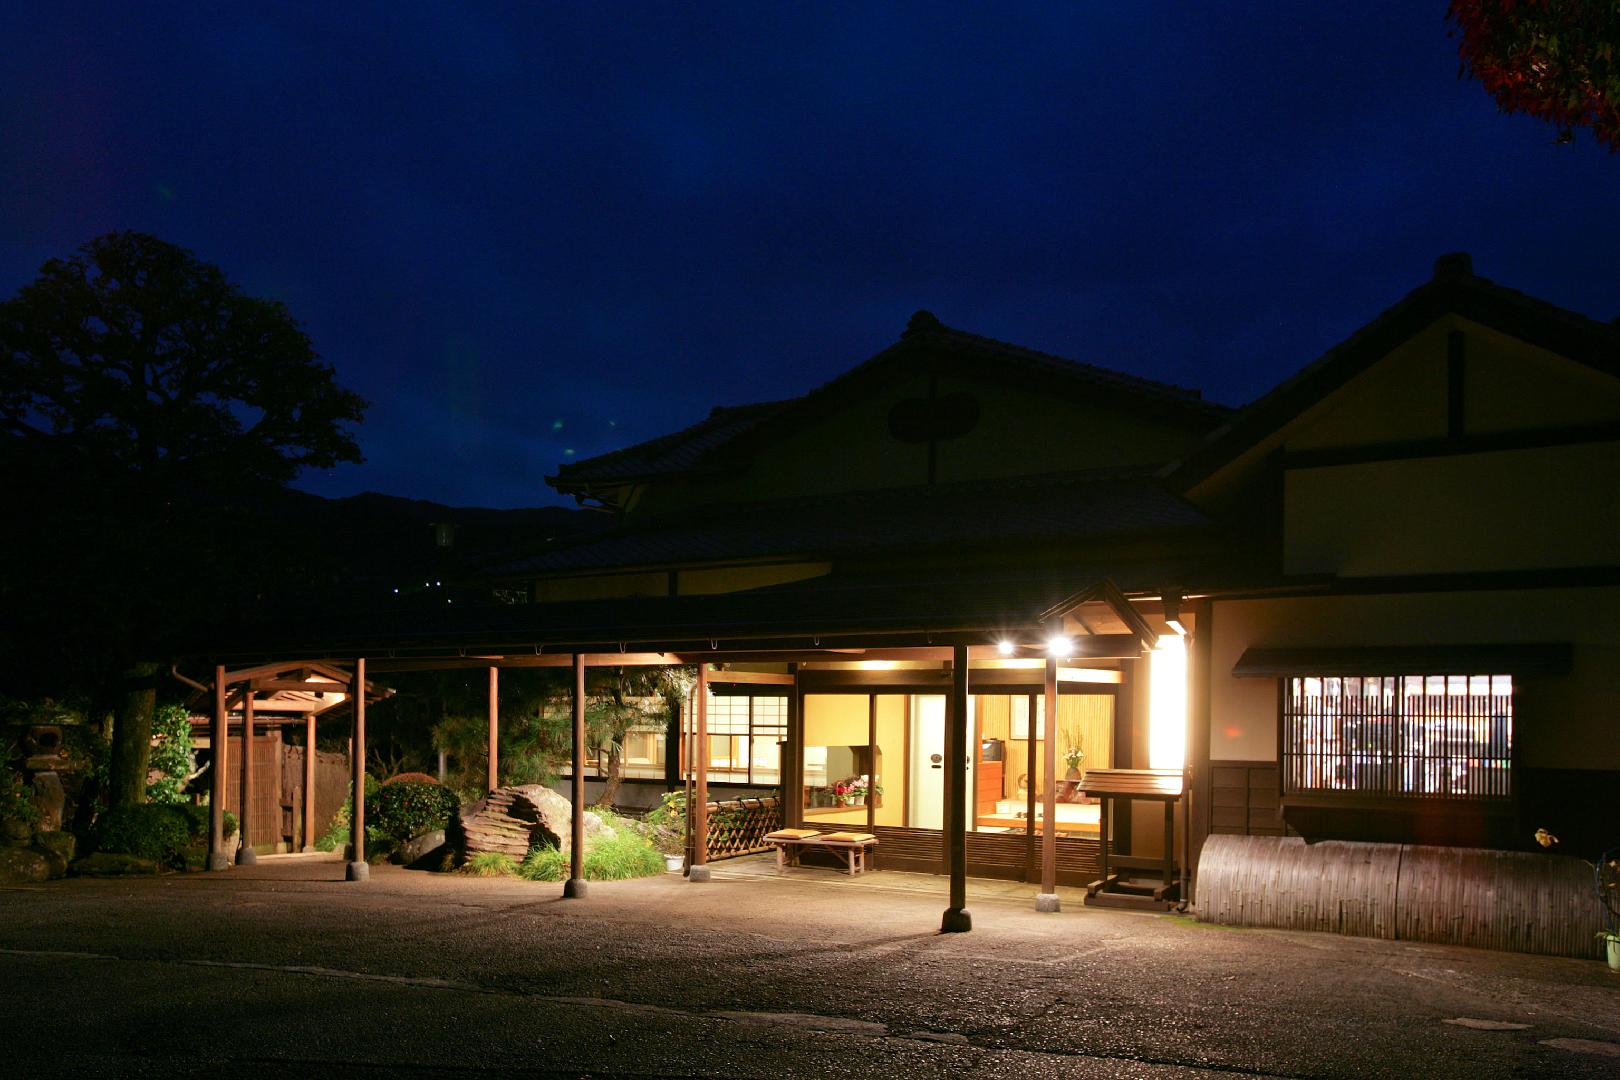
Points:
[(738, 826)]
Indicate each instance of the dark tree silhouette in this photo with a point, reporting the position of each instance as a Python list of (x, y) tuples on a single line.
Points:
[(1553, 59), (144, 402)]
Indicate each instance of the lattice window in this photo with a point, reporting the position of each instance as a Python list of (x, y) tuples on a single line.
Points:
[(745, 731), (1425, 736)]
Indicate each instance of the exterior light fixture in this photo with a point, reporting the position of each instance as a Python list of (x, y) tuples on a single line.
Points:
[(1167, 703), (1059, 646), (1172, 612), (1007, 647)]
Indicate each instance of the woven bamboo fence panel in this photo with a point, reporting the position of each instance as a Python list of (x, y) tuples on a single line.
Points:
[(738, 826), (1456, 896)]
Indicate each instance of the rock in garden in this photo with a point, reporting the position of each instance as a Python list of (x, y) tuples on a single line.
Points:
[(415, 849), (20, 866), (511, 820), (64, 844), (113, 864), (50, 800)]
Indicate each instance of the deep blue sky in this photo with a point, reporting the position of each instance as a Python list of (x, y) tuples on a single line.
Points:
[(549, 228)]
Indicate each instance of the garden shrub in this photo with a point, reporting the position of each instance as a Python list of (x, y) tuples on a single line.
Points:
[(408, 808), (16, 803), (625, 854), (337, 833), (413, 777), (545, 864), (171, 754), (490, 864), (163, 833)]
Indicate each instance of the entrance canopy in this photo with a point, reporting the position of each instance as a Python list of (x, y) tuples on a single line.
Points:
[(1018, 613)]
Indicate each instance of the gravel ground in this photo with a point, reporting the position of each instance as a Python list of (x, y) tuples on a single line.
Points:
[(284, 970)]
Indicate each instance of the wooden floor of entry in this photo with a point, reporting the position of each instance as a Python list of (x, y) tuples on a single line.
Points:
[(1002, 856)]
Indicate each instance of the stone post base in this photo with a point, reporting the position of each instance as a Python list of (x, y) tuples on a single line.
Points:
[(574, 889), (218, 860), (357, 871), (698, 873), (1048, 902), (245, 856), (956, 921)]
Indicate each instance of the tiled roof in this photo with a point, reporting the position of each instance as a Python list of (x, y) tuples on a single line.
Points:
[(1454, 288), (1065, 507), (680, 451), (695, 447)]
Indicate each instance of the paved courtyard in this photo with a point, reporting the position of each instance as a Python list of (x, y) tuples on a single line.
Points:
[(284, 970)]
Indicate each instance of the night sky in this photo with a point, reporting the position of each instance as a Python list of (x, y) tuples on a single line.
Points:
[(554, 230)]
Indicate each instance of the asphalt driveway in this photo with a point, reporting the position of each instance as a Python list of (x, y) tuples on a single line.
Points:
[(284, 970)]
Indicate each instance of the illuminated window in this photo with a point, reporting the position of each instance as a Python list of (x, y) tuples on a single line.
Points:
[(745, 737), (1427, 736)]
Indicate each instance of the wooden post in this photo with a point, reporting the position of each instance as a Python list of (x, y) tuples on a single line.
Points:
[(1047, 899), (700, 770), (357, 869), (245, 855), (217, 858), (793, 766), (494, 780), (309, 782), (956, 918), (575, 886)]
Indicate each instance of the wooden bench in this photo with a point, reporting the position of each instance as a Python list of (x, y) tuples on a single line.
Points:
[(850, 847)]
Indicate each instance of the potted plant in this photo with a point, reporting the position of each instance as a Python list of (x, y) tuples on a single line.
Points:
[(1606, 877), (1074, 756), (668, 821)]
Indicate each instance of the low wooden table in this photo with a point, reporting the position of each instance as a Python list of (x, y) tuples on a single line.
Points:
[(850, 847)]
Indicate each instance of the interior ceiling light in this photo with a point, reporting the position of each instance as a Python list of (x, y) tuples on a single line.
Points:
[(1060, 646)]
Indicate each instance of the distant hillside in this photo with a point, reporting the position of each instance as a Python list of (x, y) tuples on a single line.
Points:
[(365, 547)]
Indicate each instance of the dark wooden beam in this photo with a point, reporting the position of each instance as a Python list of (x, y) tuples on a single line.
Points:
[(956, 918), (245, 855), (1048, 900), (700, 769), (574, 888), (357, 870), (217, 859)]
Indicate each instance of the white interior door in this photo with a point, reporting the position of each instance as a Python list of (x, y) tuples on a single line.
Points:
[(927, 769)]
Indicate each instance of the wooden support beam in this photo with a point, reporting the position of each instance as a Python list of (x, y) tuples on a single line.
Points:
[(494, 779), (700, 768), (1048, 899), (575, 886), (750, 678), (309, 782), (245, 855), (956, 918), (322, 687), (217, 859), (357, 870)]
